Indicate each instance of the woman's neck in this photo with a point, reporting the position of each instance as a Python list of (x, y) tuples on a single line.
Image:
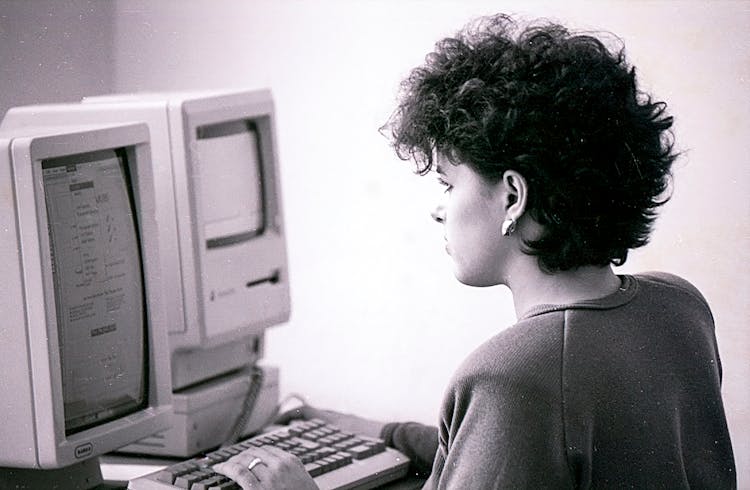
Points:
[(531, 286)]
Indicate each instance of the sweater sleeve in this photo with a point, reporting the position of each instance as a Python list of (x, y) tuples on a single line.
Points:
[(417, 441), (502, 437), (502, 417)]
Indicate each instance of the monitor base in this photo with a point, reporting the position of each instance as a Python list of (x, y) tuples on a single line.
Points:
[(204, 415), (84, 475)]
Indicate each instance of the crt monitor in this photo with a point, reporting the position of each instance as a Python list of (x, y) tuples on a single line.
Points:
[(229, 225), (83, 337)]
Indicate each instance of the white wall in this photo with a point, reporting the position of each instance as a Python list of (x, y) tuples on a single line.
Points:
[(53, 51)]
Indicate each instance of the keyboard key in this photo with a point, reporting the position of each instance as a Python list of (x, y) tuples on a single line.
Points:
[(210, 482), (227, 485), (168, 475), (217, 457), (187, 480), (339, 461), (307, 458), (327, 464), (377, 446), (359, 452), (296, 431), (308, 445), (313, 435), (314, 469), (346, 457)]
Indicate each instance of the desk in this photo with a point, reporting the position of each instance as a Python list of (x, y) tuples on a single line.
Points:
[(118, 469)]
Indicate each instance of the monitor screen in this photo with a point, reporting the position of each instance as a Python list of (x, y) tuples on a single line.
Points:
[(231, 182), (98, 282)]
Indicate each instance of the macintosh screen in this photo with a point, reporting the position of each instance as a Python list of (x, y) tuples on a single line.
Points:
[(231, 188), (97, 275)]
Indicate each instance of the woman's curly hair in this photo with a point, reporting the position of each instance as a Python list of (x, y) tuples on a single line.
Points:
[(560, 109)]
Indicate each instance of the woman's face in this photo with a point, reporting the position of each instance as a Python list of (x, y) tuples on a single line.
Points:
[(472, 212)]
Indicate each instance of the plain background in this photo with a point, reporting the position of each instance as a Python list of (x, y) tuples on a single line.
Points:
[(378, 323)]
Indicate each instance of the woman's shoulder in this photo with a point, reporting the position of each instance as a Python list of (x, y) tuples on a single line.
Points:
[(671, 284), (531, 347)]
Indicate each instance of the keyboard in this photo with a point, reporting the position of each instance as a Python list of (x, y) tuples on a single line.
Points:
[(336, 460)]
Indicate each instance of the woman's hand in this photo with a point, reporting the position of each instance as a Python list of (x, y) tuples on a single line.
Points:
[(344, 421), (272, 468), (267, 468)]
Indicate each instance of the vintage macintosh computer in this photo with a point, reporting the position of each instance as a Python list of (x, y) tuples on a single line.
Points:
[(83, 301), (214, 258), (216, 156)]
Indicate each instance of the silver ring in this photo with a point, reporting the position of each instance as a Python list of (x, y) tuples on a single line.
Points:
[(255, 462)]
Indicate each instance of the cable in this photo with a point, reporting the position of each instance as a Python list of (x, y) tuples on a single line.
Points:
[(256, 383)]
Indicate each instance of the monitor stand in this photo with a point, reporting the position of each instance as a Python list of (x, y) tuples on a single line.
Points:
[(84, 475)]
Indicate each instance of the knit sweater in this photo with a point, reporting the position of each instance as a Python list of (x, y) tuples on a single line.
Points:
[(619, 392)]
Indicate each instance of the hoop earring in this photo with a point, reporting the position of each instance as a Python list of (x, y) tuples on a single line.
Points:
[(508, 227)]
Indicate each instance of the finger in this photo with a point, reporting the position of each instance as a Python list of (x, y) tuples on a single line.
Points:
[(245, 457), (284, 459), (281, 470), (274, 459), (268, 454), (269, 462), (277, 453), (239, 473), (262, 472)]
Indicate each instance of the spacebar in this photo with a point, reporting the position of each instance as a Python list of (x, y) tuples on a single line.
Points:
[(366, 473)]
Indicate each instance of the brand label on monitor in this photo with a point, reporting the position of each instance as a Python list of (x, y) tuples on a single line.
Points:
[(84, 450)]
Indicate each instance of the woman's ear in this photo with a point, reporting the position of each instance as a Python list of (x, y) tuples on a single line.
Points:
[(516, 194)]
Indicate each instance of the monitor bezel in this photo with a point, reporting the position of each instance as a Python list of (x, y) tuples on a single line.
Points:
[(55, 448)]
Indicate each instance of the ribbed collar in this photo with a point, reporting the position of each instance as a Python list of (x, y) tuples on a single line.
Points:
[(627, 290)]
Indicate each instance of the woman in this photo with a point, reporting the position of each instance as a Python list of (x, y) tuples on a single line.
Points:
[(553, 164)]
